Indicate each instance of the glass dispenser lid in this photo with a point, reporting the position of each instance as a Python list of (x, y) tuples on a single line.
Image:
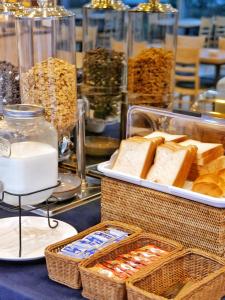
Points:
[(155, 6), (47, 8), (10, 7), (107, 4)]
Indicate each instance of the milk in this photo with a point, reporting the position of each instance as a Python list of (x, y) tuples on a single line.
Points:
[(32, 166)]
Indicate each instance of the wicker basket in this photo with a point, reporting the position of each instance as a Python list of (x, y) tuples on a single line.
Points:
[(191, 223), (64, 269), (99, 287), (207, 272)]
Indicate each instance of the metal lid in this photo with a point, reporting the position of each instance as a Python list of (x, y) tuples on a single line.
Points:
[(10, 8), (107, 4), (46, 9), (23, 111), (155, 6)]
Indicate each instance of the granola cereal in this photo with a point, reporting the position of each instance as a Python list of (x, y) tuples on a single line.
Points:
[(52, 84), (150, 79), (104, 73)]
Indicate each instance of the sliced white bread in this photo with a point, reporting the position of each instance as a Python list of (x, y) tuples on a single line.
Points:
[(204, 149), (136, 156), (172, 164), (167, 136)]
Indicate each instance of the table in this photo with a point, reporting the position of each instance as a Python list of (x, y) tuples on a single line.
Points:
[(214, 57), (29, 281)]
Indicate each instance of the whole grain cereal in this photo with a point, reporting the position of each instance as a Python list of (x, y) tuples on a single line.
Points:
[(150, 77), (52, 84)]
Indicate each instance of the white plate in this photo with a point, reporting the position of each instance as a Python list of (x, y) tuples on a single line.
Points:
[(185, 192), (36, 236)]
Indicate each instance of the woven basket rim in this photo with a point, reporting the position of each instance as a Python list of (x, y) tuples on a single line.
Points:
[(83, 266), (130, 283), (135, 230)]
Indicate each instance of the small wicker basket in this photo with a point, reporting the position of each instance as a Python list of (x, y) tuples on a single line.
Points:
[(64, 269), (99, 287), (206, 271)]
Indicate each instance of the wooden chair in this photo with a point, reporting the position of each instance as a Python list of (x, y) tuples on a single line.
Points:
[(187, 81), (222, 43), (219, 29), (206, 30), (79, 37), (137, 47), (184, 41)]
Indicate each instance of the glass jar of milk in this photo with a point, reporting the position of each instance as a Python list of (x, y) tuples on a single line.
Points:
[(28, 154)]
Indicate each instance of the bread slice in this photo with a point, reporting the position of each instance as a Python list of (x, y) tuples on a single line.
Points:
[(167, 136), (204, 149), (136, 156), (209, 158), (172, 164)]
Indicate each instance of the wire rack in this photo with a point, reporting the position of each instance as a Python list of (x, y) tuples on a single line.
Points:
[(19, 209)]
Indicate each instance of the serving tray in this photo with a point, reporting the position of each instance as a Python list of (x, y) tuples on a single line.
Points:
[(106, 169)]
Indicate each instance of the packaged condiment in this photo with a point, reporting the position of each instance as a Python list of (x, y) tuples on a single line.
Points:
[(127, 264), (28, 154), (151, 51), (47, 67), (91, 243)]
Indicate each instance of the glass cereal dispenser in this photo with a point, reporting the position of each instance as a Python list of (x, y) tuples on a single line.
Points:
[(152, 49), (9, 72), (104, 63), (46, 45)]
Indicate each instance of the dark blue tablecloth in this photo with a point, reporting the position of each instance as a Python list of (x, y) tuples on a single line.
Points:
[(26, 281)]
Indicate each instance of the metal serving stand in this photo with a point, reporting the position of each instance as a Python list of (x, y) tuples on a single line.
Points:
[(18, 209)]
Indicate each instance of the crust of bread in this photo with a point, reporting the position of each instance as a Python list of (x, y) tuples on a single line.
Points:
[(209, 158), (167, 136), (185, 169), (155, 142), (210, 148)]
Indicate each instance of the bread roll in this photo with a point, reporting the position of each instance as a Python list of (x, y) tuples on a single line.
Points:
[(208, 188), (209, 184)]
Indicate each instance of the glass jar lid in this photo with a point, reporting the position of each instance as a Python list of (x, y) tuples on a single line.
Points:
[(107, 4), (155, 6), (46, 9), (23, 111), (10, 7)]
